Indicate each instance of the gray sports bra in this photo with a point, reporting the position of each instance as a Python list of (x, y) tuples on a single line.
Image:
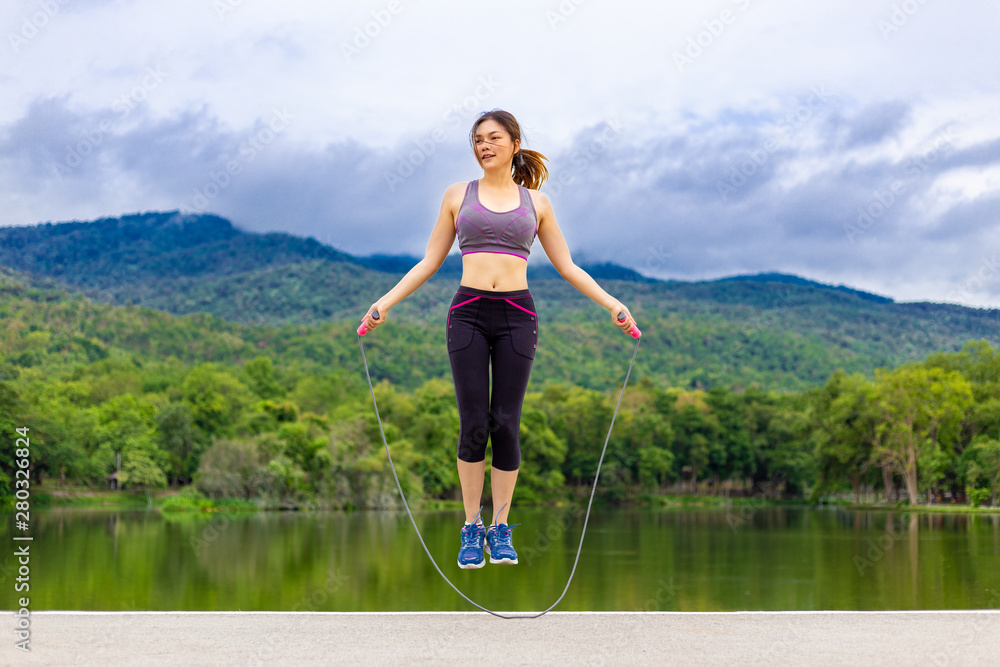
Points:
[(482, 230)]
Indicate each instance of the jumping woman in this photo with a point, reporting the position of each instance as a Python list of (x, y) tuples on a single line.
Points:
[(492, 318)]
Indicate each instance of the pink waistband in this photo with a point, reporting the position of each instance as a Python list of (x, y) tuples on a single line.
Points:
[(517, 306), (508, 300), (464, 302), (525, 296)]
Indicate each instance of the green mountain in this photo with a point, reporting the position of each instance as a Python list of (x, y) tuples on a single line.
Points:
[(245, 380), (774, 331)]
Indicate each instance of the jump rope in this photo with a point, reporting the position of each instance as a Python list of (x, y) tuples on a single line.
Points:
[(362, 330)]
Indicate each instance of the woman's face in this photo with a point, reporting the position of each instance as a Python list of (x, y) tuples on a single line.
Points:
[(494, 148)]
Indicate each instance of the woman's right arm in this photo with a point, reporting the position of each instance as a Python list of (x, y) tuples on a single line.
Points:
[(440, 243)]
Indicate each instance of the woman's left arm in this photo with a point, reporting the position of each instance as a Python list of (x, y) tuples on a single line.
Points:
[(558, 253)]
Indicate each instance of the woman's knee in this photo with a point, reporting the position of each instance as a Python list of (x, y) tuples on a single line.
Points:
[(506, 449), (472, 443), (506, 458)]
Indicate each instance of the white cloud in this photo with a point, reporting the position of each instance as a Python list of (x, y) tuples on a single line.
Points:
[(375, 87)]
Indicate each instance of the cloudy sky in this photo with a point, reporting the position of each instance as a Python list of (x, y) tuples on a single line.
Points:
[(853, 142)]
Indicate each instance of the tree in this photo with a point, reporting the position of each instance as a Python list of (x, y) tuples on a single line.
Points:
[(259, 376), (844, 430), (433, 429), (233, 468), (180, 439), (215, 397), (10, 419), (784, 455), (980, 467), (303, 442), (580, 418), (734, 455), (920, 411), (126, 425), (61, 429), (543, 453), (139, 471), (696, 431)]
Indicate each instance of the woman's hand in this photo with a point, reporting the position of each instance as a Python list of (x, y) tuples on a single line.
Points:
[(626, 324), (383, 313)]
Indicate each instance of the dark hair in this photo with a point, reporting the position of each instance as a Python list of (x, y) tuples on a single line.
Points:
[(527, 166)]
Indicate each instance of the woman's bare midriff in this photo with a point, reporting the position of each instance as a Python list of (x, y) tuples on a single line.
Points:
[(494, 271)]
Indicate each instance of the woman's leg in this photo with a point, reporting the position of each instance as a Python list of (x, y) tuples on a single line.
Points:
[(471, 476), (513, 354), (469, 355), (502, 482)]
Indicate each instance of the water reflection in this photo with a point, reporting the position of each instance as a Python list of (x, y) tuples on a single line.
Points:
[(633, 559)]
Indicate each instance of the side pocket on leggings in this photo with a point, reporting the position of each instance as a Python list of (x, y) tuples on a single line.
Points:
[(461, 323), (523, 328)]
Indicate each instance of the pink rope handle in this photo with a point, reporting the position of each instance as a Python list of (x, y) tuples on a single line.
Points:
[(635, 329), (363, 329)]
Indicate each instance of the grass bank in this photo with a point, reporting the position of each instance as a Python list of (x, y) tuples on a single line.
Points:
[(188, 499)]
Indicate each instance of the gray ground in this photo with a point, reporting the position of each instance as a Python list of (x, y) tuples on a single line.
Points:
[(959, 638)]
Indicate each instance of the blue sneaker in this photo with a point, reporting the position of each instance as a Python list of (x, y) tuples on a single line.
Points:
[(498, 544), (470, 555)]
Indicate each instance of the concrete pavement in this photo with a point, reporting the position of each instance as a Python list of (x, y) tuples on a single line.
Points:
[(82, 639)]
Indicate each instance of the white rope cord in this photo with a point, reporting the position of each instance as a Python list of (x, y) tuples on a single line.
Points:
[(586, 517)]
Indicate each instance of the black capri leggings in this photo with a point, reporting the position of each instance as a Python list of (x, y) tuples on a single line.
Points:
[(483, 327)]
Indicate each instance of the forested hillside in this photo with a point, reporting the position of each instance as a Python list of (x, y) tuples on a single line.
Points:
[(281, 416), (767, 385), (771, 331)]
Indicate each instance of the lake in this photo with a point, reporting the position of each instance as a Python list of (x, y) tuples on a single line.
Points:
[(668, 559)]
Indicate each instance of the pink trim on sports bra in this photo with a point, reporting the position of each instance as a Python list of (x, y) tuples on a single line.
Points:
[(495, 252), (477, 226)]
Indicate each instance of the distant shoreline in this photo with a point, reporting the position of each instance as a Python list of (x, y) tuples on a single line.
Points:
[(172, 501)]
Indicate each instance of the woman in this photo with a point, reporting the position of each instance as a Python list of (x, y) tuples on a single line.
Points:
[(492, 316)]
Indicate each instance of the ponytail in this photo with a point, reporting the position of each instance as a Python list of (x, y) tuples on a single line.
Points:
[(529, 169)]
